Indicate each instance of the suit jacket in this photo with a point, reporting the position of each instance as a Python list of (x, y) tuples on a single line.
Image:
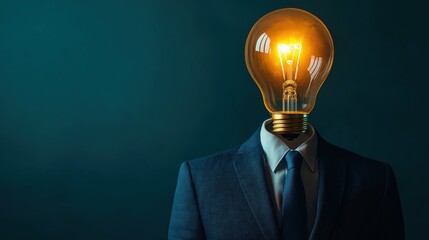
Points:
[(225, 196)]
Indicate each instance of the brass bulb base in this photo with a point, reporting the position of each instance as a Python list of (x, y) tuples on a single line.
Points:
[(289, 124)]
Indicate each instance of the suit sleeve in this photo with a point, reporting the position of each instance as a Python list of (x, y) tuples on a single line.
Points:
[(391, 220), (185, 221)]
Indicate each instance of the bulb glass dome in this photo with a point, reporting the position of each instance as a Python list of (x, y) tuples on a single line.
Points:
[(289, 53)]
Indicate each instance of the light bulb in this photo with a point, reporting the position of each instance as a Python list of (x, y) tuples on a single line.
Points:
[(289, 53)]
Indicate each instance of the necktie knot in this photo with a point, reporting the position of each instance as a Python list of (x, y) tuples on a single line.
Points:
[(293, 160)]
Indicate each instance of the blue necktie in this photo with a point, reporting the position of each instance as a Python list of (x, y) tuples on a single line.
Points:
[(294, 211)]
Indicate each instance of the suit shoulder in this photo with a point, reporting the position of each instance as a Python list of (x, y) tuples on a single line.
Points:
[(214, 160), (362, 172), (354, 156), (358, 162)]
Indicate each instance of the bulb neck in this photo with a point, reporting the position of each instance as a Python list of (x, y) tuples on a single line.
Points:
[(289, 125)]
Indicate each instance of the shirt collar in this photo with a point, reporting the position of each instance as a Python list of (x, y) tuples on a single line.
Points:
[(275, 148)]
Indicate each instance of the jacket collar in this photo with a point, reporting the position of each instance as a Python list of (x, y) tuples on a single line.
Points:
[(250, 173), (332, 169)]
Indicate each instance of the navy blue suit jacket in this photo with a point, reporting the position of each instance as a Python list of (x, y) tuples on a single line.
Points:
[(225, 196)]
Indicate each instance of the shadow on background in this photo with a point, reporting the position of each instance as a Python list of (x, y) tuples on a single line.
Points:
[(100, 102)]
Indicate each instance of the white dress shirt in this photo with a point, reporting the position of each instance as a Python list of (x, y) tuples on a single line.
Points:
[(275, 148)]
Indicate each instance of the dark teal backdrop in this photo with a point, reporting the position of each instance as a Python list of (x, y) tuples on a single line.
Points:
[(100, 102)]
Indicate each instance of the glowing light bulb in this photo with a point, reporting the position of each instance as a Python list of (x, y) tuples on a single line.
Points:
[(289, 53)]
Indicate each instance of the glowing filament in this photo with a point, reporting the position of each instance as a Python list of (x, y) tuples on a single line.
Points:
[(289, 55)]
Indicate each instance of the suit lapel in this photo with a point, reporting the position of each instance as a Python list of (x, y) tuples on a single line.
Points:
[(332, 171), (250, 172)]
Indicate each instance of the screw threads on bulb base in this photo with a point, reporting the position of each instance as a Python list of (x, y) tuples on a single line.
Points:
[(289, 123)]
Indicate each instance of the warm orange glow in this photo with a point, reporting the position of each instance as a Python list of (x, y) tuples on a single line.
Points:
[(289, 53), (284, 48)]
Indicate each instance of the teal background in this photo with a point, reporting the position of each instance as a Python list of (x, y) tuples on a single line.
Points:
[(100, 102)]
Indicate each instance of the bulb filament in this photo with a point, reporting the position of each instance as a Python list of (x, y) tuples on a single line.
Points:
[(289, 55)]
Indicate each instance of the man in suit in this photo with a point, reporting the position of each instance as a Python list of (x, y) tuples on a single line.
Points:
[(246, 193)]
